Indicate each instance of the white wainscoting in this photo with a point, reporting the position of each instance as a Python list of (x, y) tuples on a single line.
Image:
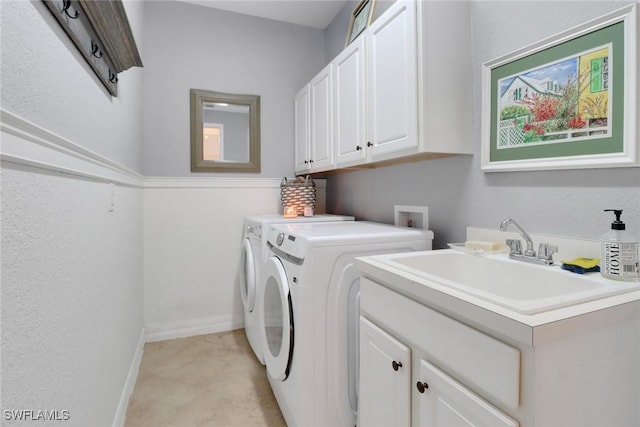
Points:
[(193, 234)]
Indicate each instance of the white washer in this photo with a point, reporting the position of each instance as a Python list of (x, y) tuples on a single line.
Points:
[(311, 310), (252, 257)]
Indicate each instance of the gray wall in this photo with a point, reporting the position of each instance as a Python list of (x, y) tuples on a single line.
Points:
[(459, 194), (45, 80), (193, 47), (336, 32)]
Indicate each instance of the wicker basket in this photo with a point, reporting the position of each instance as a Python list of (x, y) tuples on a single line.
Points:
[(298, 194)]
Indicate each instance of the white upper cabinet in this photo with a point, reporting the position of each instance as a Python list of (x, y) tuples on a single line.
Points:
[(392, 114), (349, 104), (445, 86), (302, 129), (401, 90), (314, 136), (321, 147)]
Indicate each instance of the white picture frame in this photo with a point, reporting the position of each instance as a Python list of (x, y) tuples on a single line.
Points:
[(573, 147)]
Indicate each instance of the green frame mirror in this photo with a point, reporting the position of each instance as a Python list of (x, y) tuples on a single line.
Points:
[(225, 132)]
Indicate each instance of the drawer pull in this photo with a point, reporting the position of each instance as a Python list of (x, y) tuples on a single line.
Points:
[(422, 386), (396, 365)]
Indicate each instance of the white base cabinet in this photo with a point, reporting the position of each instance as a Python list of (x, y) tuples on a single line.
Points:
[(446, 402), (402, 376), (385, 374), (387, 384), (578, 371)]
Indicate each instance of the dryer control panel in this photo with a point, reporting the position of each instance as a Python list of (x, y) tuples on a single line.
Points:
[(253, 230)]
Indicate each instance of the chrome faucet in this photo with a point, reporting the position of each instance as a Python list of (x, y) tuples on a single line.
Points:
[(505, 224), (545, 250)]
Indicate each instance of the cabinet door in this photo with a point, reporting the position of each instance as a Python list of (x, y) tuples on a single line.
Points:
[(321, 120), (392, 83), (301, 129), (349, 106), (385, 375), (442, 401)]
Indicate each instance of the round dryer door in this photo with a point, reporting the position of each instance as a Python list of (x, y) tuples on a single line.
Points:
[(278, 320), (247, 276)]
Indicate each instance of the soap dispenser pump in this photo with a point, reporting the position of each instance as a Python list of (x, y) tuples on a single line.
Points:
[(619, 252)]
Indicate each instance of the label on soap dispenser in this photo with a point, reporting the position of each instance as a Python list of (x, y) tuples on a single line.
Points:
[(621, 259)]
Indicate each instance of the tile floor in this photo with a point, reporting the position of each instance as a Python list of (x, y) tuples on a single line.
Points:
[(207, 380)]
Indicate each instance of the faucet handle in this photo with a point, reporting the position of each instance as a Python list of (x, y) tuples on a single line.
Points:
[(546, 251), (515, 246)]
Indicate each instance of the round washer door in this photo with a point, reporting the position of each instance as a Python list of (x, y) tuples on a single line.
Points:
[(247, 276), (278, 320)]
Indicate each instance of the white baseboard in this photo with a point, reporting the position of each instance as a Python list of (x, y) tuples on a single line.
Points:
[(189, 328), (130, 383)]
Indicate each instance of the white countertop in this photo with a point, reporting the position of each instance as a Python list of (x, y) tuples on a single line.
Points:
[(527, 329)]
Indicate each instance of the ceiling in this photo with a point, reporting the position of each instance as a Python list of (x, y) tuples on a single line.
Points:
[(310, 13)]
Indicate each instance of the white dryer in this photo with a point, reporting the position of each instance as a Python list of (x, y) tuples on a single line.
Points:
[(252, 258), (310, 314)]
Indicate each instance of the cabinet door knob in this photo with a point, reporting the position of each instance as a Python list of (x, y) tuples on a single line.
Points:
[(396, 365), (369, 144), (311, 161), (422, 386), (358, 148), (306, 162)]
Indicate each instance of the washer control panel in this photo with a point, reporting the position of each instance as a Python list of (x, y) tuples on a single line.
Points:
[(286, 242)]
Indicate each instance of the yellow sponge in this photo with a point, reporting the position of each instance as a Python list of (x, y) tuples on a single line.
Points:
[(583, 262), (481, 244)]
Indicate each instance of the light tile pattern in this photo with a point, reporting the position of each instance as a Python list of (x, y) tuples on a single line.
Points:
[(207, 380)]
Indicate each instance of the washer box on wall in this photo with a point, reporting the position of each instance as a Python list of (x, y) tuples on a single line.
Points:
[(411, 216)]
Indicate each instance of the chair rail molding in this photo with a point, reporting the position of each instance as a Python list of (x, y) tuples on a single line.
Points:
[(25, 143)]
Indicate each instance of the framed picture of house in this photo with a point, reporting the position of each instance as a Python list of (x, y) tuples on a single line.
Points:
[(360, 19), (570, 101)]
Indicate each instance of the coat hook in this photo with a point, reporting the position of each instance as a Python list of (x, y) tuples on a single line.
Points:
[(113, 77), (66, 4), (95, 50)]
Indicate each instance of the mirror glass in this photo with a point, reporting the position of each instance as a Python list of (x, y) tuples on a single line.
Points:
[(225, 132)]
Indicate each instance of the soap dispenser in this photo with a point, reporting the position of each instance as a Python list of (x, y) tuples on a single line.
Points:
[(619, 252)]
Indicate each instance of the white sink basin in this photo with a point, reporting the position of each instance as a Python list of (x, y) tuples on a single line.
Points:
[(519, 286)]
